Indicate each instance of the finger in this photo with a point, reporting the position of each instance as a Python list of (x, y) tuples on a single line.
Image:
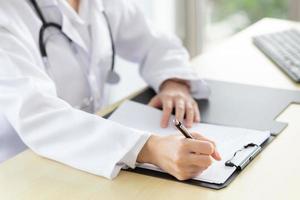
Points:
[(216, 154), (193, 165), (196, 173), (197, 113), (155, 102), (192, 174), (189, 113), (202, 161), (198, 136), (179, 109), (200, 147), (189, 172), (196, 170), (167, 110)]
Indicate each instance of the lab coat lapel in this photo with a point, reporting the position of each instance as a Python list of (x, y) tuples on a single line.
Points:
[(101, 50), (67, 14), (100, 34), (72, 33)]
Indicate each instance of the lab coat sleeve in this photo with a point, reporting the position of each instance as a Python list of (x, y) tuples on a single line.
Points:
[(161, 56), (51, 127)]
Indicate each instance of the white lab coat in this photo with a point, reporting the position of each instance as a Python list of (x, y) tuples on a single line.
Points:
[(41, 103)]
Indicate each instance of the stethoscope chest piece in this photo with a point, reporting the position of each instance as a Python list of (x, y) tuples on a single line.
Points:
[(113, 77)]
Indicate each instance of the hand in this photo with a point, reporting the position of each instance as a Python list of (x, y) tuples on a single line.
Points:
[(174, 94), (183, 158)]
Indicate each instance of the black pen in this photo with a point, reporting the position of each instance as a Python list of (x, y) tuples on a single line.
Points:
[(179, 125)]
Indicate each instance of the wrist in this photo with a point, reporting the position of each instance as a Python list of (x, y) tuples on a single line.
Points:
[(178, 82), (148, 152)]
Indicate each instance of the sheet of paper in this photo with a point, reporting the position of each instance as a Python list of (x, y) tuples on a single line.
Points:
[(227, 139)]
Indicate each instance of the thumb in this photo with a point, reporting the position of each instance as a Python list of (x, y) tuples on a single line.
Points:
[(155, 102)]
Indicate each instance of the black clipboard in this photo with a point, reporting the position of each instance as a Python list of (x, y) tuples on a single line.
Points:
[(251, 107), (268, 102), (197, 182), (158, 174)]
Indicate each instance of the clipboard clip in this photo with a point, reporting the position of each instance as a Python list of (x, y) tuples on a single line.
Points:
[(246, 161)]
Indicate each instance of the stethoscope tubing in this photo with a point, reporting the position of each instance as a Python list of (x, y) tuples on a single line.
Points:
[(46, 25), (113, 77)]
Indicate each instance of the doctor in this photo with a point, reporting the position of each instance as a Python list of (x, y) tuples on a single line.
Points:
[(57, 56)]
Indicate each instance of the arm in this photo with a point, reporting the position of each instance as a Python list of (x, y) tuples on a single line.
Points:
[(51, 127), (163, 59)]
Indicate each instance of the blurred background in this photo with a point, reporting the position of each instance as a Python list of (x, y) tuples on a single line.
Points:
[(201, 25)]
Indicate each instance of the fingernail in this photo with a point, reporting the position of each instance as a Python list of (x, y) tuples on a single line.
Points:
[(164, 125), (218, 154)]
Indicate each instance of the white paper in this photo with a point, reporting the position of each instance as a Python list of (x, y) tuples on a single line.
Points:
[(227, 139)]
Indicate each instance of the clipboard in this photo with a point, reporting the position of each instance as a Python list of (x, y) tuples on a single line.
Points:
[(287, 97), (252, 107), (201, 183), (238, 156)]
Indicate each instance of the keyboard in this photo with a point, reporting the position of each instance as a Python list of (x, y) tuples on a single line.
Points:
[(283, 48)]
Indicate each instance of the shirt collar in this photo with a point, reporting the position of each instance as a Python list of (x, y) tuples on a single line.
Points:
[(83, 18), (70, 13), (70, 16), (99, 5), (86, 9)]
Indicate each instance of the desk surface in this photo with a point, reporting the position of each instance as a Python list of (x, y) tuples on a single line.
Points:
[(274, 174)]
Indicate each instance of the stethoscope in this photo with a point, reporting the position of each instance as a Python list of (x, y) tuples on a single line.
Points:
[(112, 78)]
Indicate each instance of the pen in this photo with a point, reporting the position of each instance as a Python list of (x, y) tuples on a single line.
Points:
[(179, 125)]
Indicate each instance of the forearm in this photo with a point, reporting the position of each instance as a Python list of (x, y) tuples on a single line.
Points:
[(148, 152)]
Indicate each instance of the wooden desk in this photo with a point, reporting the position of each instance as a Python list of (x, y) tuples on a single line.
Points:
[(274, 174)]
